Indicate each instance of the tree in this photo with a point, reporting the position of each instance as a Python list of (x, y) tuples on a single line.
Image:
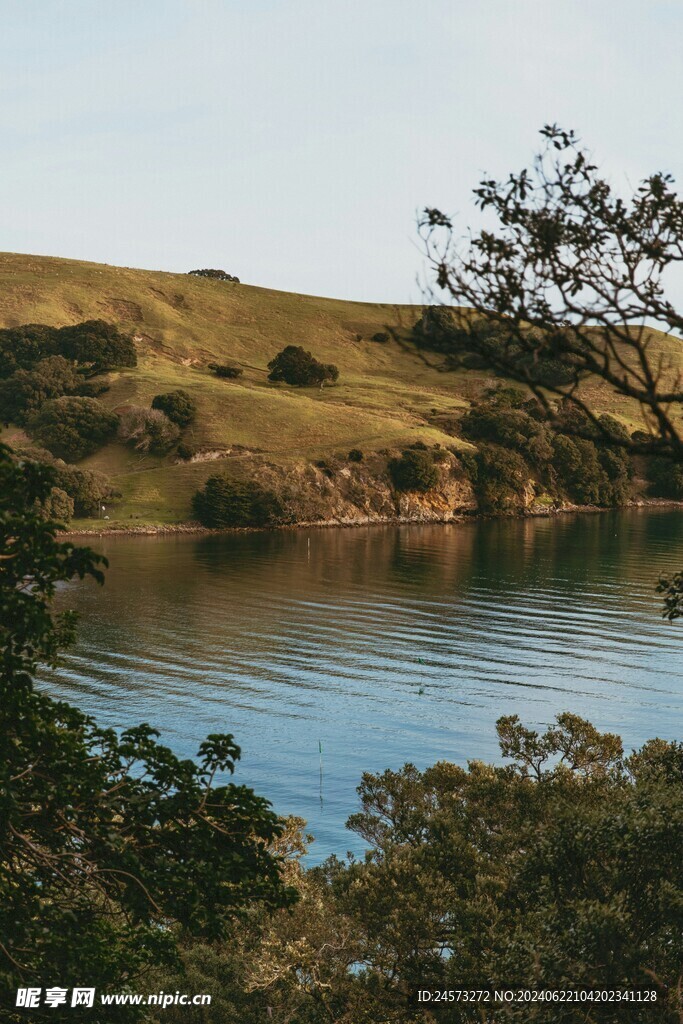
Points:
[(97, 344), (72, 428), (559, 869), (414, 471), (576, 274), (224, 502), (22, 347), (216, 275), (24, 392), (148, 430), (294, 365), (179, 406), (111, 848)]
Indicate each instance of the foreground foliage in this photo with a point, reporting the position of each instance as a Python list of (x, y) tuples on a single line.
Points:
[(558, 869), (111, 848)]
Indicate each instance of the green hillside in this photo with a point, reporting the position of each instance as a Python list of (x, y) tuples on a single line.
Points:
[(388, 394)]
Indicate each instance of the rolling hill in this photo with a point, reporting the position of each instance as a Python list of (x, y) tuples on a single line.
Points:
[(388, 395)]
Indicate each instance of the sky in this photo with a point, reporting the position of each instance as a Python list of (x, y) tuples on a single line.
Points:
[(293, 142)]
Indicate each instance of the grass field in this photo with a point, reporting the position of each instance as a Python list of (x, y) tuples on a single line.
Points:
[(387, 394)]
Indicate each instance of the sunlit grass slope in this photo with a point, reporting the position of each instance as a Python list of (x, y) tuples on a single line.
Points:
[(387, 395)]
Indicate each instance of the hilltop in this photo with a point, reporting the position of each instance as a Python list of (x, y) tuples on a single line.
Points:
[(389, 394)]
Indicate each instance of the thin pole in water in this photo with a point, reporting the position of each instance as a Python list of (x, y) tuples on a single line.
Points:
[(320, 751)]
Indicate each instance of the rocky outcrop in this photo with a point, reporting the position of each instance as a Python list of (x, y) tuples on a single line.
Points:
[(351, 494)]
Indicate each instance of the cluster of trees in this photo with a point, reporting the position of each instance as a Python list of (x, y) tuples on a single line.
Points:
[(482, 343), (112, 850), (225, 502), (295, 366), (40, 363), (71, 428), (558, 869), (75, 492), (94, 346), (518, 449), (46, 382), (216, 275)]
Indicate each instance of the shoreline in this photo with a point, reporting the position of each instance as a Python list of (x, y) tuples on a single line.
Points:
[(535, 512)]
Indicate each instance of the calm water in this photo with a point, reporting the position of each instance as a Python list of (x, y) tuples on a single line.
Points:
[(288, 639)]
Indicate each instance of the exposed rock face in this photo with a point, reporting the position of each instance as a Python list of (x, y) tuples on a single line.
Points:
[(351, 494)]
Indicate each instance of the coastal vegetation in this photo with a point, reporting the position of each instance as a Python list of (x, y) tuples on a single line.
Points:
[(112, 850), (121, 864)]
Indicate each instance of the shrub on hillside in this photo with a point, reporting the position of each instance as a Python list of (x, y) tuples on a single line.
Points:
[(58, 505), (499, 477), (508, 418), (97, 344), (94, 345), (295, 366), (226, 370), (216, 275), (72, 428), (355, 455), (179, 406), (223, 502), (414, 471), (381, 337), (186, 451), (22, 347), (24, 392), (148, 430), (87, 488)]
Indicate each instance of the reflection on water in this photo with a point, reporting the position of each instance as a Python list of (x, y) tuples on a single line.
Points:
[(289, 640)]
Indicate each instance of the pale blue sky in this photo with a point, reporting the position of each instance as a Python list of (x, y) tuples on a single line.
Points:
[(291, 142)]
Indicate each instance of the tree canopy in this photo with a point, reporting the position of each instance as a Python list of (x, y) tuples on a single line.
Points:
[(72, 428), (111, 847), (294, 365)]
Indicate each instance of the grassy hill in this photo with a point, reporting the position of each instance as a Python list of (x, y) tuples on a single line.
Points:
[(388, 394)]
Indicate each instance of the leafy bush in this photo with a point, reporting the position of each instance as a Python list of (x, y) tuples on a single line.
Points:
[(24, 392), (507, 419), (22, 347), (381, 337), (223, 502), (216, 275), (179, 406), (226, 370), (58, 505), (97, 344), (148, 430), (72, 428), (355, 455), (186, 451), (414, 471), (591, 475), (499, 477), (295, 366)]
